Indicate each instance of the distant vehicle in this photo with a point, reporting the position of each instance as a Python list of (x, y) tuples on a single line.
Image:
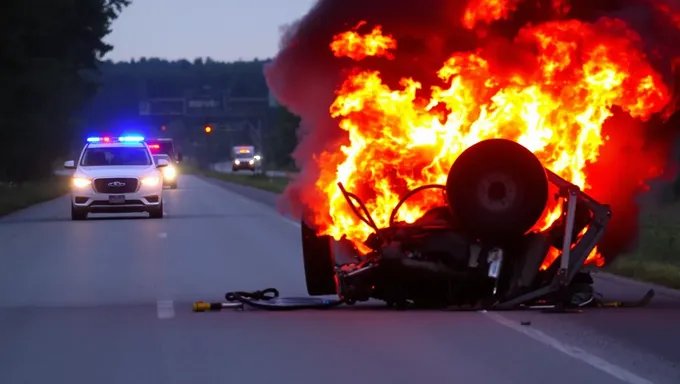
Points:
[(170, 175), (116, 175), (245, 159), (165, 146)]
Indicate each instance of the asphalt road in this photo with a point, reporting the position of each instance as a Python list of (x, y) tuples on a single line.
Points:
[(109, 301)]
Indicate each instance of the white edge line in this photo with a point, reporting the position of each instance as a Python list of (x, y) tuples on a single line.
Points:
[(249, 200), (165, 309), (569, 350), (289, 221)]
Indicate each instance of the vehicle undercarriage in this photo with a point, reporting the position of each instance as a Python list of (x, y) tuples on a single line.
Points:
[(476, 251)]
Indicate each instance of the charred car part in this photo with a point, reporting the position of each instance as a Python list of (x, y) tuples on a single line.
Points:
[(477, 250)]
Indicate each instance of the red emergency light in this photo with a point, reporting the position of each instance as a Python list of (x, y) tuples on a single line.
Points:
[(154, 146)]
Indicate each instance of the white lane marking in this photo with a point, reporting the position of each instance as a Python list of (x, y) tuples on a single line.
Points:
[(569, 350), (289, 221), (165, 309), (163, 235)]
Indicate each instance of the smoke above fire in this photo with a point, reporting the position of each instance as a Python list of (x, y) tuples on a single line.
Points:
[(506, 38)]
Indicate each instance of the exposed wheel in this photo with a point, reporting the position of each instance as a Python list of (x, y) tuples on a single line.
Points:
[(156, 212), (78, 213), (318, 261), (498, 188)]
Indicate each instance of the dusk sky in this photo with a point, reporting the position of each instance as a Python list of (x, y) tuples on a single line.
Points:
[(185, 29)]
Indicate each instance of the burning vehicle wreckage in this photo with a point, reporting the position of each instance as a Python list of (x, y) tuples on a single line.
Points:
[(493, 190), (477, 250)]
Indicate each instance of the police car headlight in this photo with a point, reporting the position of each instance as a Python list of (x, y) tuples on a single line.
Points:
[(251, 162), (81, 182), (151, 181), (237, 162), (169, 172)]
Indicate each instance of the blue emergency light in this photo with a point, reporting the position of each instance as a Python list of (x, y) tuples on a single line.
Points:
[(122, 139)]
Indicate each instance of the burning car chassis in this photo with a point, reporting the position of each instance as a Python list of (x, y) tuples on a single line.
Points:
[(479, 250), (476, 251)]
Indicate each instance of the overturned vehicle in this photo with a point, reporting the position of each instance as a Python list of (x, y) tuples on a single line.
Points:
[(479, 250)]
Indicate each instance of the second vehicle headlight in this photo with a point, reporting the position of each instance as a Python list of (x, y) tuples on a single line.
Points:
[(151, 181), (169, 172)]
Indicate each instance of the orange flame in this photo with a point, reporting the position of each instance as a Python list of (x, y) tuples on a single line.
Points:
[(356, 47), (487, 11), (399, 140)]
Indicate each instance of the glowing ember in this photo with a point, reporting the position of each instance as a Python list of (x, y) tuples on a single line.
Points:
[(556, 107)]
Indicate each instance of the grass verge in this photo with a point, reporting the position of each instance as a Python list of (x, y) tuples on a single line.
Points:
[(657, 259), (259, 181), (189, 167), (20, 196)]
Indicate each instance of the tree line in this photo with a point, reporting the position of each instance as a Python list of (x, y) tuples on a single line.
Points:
[(125, 84), (50, 52)]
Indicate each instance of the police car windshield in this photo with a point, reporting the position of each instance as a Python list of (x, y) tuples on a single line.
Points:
[(244, 155), (98, 157)]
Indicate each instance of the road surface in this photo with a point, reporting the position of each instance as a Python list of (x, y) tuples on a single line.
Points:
[(109, 301)]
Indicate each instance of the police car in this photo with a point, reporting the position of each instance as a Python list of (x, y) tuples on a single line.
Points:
[(116, 175)]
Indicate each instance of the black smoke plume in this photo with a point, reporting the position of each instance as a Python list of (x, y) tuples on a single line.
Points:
[(304, 75)]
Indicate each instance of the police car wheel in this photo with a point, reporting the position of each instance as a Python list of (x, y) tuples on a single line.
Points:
[(156, 212), (78, 214)]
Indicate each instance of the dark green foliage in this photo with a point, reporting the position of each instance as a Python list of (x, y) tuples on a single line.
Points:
[(284, 139), (49, 50), (125, 84)]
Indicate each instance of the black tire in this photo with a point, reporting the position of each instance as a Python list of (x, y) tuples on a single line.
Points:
[(78, 214), (498, 188), (156, 212), (318, 261)]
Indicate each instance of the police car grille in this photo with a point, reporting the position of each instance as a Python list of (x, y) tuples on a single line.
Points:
[(116, 185)]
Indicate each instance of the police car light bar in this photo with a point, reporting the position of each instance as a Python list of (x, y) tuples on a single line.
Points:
[(122, 139)]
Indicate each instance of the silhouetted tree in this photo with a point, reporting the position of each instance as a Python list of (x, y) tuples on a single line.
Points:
[(49, 50)]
